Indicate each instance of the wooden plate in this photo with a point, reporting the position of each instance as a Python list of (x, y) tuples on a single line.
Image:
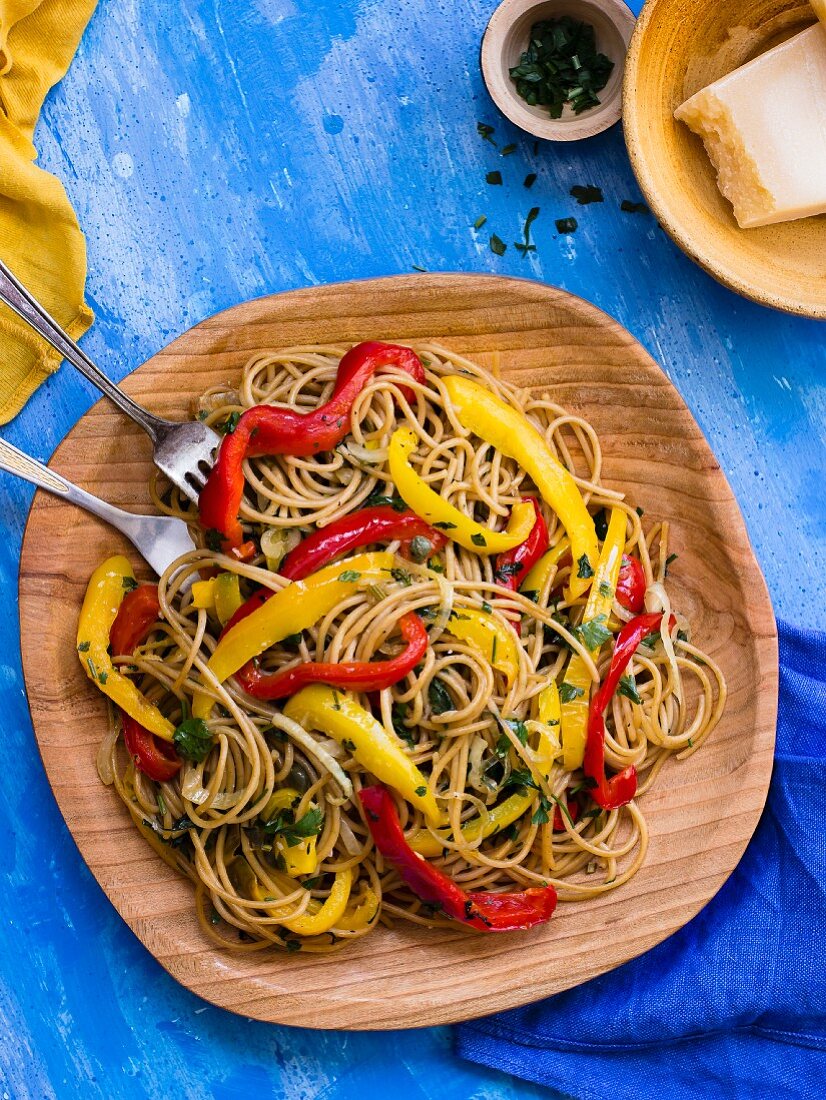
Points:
[(701, 812), (680, 46)]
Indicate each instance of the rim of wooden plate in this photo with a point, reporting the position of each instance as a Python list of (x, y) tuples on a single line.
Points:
[(408, 977), (678, 47)]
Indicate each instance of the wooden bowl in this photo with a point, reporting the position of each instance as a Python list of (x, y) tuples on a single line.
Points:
[(700, 812), (680, 46), (506, 38)]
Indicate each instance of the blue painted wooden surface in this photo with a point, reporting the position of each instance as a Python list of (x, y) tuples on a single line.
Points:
[(225, 149)]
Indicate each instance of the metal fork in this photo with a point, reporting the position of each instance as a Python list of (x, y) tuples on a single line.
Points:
[(182, 451), (161, 539)]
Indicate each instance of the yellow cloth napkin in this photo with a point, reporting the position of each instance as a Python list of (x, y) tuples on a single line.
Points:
[(40, 239)]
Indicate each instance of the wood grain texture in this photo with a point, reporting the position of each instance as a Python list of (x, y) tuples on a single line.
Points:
[(679, 47), (702, 812)]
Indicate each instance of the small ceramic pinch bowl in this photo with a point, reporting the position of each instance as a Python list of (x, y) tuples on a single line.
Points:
[(680, 46), (507, 37)]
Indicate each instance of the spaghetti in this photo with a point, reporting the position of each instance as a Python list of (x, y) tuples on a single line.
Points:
[(421, 639)]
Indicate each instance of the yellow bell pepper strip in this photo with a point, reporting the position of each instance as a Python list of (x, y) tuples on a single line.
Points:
[(228, 596), (203, 595), (318, 917), (339, 716), (295, 608), (359, 914), (487, 416), (576, 687), (499, 817), (535, 580), (550, 718), (493, 640), (427, 504), (300, 858), (107, 586)]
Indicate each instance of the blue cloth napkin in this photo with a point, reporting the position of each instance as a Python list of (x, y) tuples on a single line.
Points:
[(734, 1004)]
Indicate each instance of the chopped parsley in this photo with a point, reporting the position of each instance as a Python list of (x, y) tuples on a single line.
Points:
[(283, 824), (349, 575), (444, 526), (628, 688), (401, 576), (529, 180), (439, 697), (629, 207), (525, 246), (517, 726), (485, 132), (507, 150), (593, 633), (228, 426), (130, 584), (561, 66), (497, 245), (478, 540), (377, 498), (569, 692), (480, 221), (507, 569), (192, 739), (214, 539), (486, 607), (651, 641), (83, 647), (583, 568), (420, 792), (566, 225), (540, 815), (605, 589), (348, 744), (494, 178), (398, 713)]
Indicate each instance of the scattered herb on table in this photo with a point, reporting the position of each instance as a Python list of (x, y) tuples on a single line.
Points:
[(566, 225), (587, 194), (530, 180), (561, 66), (507, 150), (480, 221), (485, 132), (494, 178), (629, 207), (417, 268), (524, 247), (497, 245)]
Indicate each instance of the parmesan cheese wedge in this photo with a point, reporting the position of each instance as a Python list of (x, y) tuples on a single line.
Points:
[(764, 129)]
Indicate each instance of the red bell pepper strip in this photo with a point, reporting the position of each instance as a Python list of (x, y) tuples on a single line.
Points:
[(155, 757), (269, 430), (380, 524), (352, 675), (136, 616), (486, 911), (612, 793), (513, 565), (631, 584)]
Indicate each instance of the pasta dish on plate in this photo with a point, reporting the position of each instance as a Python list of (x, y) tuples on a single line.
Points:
[(422, 667)]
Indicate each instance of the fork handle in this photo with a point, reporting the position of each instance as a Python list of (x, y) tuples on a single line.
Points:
[(16, 297), (22, 465)]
